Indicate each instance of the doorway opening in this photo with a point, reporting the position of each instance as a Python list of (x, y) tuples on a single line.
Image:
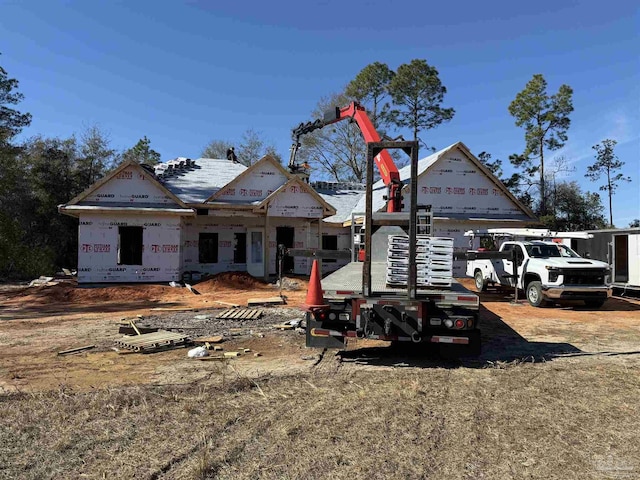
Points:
[(621, 253), (285, 236)]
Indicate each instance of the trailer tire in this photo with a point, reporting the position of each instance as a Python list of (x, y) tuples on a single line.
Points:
[(534, 294), (481, 284)]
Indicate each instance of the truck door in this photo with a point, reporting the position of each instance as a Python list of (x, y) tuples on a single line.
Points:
[(509, 272), (504, 267)]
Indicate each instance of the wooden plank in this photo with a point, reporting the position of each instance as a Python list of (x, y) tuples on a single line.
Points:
[(265, 301), (76, 350)]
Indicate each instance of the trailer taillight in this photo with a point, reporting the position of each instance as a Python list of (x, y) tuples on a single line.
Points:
[(320, 314), (459, 323)]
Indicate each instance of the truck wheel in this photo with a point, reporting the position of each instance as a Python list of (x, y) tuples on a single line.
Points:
[(534, 294), (594, 303), (481, 286)]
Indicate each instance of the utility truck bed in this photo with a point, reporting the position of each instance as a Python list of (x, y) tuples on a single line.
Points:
[(347, 282)]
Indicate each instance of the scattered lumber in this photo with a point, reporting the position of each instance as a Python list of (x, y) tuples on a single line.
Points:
[(76, 350), (153, 341)]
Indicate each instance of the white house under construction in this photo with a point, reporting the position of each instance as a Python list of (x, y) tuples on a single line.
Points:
[(205, 216)]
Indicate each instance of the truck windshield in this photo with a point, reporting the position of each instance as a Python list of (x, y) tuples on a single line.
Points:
[(567, 252), (543, 251)]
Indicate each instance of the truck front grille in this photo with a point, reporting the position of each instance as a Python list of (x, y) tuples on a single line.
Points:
[(584, 276)]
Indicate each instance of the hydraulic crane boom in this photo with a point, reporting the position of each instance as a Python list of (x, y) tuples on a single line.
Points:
[(384, 162)]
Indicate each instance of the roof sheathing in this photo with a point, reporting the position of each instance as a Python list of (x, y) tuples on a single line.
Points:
[(204, 179)]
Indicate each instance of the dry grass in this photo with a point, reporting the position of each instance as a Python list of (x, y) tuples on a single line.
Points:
[(574, 418)]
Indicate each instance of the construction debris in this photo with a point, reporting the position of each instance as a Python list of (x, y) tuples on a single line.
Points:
[(284, 326), (289, 325), (257, 354), (254, 302), (246, 350), (191, 289), (240, 314), (231, 354), (198, 352), (153, 341), (42, 281), (76, 350)]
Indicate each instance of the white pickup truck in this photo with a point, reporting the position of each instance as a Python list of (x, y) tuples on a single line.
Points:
[(546, 272)]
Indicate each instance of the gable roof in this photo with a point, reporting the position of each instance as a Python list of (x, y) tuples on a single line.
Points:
[(129, 163), (206, 177), (380, 189), (328, 208), (343, 199), (266, 159)]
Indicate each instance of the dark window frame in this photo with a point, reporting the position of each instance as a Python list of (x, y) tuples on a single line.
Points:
[(334, 241)]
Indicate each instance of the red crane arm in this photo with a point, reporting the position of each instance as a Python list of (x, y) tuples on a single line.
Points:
[(387, 167)]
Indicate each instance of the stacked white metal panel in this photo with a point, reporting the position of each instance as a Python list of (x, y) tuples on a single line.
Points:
[(434, 260)]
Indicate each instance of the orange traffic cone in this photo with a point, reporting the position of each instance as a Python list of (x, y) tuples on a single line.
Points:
[(314, 293)]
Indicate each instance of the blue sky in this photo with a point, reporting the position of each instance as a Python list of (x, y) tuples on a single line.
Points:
[(183, 73)]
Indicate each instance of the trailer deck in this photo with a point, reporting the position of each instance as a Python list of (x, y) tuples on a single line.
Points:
[(347, 282)]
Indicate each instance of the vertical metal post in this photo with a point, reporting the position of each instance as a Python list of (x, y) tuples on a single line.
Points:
[(368, 224)]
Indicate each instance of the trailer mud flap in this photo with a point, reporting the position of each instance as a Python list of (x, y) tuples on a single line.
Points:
[(322, 337)]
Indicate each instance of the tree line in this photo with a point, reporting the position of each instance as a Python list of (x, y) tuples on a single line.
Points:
[(410, 101), (37, 175)]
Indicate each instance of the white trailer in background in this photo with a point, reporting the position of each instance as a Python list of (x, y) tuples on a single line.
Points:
[(620, 248)]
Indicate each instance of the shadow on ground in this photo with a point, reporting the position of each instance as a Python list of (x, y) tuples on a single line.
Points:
[(500, 343), (613, 304)]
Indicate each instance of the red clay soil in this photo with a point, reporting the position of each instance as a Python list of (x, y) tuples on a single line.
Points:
[(228, 287)]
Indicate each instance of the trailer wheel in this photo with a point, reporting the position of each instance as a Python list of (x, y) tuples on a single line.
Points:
[(534, 294), (481, 285)]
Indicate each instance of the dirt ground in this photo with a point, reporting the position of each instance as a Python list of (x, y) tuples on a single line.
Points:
[(554, 394)]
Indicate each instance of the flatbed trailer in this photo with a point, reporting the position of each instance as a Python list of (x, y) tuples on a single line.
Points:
[(356, 301), (346, 283), (444, 316)]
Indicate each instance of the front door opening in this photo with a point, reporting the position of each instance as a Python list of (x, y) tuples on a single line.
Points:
[(239, 248), (285, 236), (129, 245), (208, 247)]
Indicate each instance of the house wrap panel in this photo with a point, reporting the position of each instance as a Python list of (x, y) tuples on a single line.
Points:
[(257, 185), (98, 243), (295, 201), (130, 186), (455, 185)]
